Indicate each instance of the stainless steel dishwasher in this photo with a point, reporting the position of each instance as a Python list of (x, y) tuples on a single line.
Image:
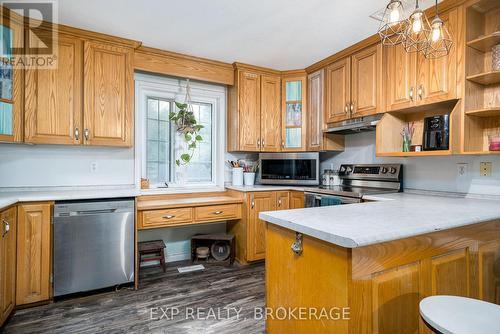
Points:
[(93, 245)]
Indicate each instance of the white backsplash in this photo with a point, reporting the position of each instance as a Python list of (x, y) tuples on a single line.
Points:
[(426, 173)]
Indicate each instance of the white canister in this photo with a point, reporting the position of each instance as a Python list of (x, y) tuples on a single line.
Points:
[(249, 179), (237, 176)]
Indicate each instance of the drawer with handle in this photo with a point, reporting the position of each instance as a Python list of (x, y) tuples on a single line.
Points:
[(217, 212), (158, 218)]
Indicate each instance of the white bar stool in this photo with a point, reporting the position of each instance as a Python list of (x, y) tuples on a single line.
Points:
[(460, 315)]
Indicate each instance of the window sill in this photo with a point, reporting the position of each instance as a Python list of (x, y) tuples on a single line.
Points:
[(181, 190)]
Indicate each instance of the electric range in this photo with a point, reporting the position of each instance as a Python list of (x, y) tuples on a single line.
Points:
[(357, 181)]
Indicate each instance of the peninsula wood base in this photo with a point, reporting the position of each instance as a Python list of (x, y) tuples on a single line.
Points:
[(381, 284)]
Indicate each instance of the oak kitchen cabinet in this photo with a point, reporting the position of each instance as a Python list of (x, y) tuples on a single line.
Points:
[(250, 230), (354, 85), (317, 140), (11, 94), (8, 221), (53, 97), (33, 253), (254, 110), (413, 80), (87, 99)]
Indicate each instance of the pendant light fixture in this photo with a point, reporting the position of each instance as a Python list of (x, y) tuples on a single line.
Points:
[(417, 31), (393, 25), (439, 41)]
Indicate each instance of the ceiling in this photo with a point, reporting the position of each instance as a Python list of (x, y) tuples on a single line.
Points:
[(278, 34)]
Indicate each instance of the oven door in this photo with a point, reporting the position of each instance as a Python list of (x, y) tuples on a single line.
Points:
[(289, 168), (312, 200)]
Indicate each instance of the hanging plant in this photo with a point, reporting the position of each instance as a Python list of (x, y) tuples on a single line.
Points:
[(187, 126)]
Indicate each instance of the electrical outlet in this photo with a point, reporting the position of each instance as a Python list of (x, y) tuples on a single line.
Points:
[(462, 170), (485, 169), (94, 167)]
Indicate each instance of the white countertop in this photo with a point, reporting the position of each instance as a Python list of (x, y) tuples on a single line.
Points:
[(12, 197), (392, 217)]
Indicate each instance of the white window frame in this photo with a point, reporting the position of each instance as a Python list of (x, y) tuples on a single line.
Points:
[(170, 88)]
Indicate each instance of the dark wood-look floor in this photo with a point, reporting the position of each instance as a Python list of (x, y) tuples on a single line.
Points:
[(128, 311)]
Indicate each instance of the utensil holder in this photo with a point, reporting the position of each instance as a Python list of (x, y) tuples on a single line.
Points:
[(249, 179), (237, 176)]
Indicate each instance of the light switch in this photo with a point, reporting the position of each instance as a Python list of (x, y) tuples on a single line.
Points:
[(485, 169)]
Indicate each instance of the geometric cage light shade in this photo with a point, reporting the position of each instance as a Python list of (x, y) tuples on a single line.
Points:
[(417, 31), (393, 25), (439, 41)]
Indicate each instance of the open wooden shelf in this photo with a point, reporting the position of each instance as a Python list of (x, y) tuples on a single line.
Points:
[(486, 78), (486, 112), (485, 43)]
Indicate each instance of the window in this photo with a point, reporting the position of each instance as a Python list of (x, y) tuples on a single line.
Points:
[(161, 145)]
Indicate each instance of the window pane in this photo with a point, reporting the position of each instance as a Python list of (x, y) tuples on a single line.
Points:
[(153, 108), (164, 110), (200, 167), (6, 126), (158, 141)]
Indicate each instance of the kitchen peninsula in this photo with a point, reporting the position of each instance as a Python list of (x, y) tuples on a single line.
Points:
[(379, 259)]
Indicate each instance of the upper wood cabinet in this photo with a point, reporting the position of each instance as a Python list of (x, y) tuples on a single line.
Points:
[(53, 97), (254, 111), (11, 94), (270, 113), (366, 90), (338, 90), (354, 85), (294, 113), (8, 230), (317, 140), (33, 253), (413, 80), (86, 99), (109, 95)]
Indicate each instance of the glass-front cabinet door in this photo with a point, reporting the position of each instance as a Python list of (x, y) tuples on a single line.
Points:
[(10, 81), (294, 113)]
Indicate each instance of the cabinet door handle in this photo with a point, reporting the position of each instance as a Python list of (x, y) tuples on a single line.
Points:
[(346, 108), (86, 134), (77, 134), (263, 143), (283, 144), (352, 107), (258, 143), (411, 94), (169, 217), (279, 202), (6, 227), (218, 212), (252, 202), (420, 91)]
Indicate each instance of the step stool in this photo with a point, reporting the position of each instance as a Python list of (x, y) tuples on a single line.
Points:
[(155, 251)]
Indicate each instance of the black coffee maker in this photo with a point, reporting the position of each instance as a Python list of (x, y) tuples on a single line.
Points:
[(437, 133)]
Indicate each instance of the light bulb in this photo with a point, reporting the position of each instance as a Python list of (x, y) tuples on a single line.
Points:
[(436, 33), (417, 23), (394, 15)]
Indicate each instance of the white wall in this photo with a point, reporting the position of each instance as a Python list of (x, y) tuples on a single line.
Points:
[(57, 165), (427, 173)]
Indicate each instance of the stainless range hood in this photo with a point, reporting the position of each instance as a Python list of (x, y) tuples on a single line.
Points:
[(355, 125)]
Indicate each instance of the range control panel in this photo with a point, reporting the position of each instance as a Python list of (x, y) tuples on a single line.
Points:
[(382, 171)]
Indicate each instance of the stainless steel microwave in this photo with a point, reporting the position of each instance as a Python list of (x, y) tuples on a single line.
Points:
[(289, 168)]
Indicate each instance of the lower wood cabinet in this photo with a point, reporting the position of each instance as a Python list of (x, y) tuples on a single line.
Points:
[(380, 284), (8, 227), (33, 253), (250, 231)]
